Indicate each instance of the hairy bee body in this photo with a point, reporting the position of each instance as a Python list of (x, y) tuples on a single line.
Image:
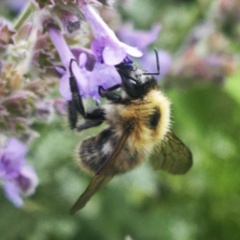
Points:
[(150, 116), (138, 128)]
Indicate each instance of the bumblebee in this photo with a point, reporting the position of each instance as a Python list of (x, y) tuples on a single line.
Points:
[(138, 123)]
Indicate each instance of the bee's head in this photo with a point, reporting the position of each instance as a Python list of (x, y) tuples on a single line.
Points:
[(135, 82)]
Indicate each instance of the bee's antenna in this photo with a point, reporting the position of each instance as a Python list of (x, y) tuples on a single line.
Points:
[(158, 64)]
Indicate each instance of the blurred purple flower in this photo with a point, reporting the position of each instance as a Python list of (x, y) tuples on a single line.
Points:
[(44, 110), (106, 45), (6, 33), (143, 39), (19, 179), (16, 6), (60, 106), (148, 62)]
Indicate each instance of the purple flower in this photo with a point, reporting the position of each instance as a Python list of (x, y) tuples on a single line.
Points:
[(95, 68), (19, 179), (66, 56), (89, 73), (102, 75), (106, 45)]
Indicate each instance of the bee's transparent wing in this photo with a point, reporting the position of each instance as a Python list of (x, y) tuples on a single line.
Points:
[(172, 155), (104, 174), (96, 183)]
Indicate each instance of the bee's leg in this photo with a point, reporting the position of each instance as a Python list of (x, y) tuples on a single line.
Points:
[(72, 115), (88, 124), (113, 97), (96, 114), (114, 87), (76, 97), (92, 119), (75, 107)]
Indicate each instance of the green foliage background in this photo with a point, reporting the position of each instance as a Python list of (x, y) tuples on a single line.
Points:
[(143, 204)]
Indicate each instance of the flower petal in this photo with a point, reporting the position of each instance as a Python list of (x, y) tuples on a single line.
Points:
[(27, 180), (12, 193), (64, 87), (91, 58), (106, 43), (61, 45), (60, 70), (138, 38), (134, 52), (15, 149), (103, 75), (66, 56), (12, 158), (113, 55)]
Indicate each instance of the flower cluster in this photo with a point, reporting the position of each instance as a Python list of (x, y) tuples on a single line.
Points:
[(95, 65), (34, 57), (22, 103)]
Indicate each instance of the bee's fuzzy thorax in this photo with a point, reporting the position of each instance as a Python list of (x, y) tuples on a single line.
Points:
[(143, 137)]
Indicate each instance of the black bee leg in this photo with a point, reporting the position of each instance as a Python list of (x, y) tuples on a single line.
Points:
[(102, 91), (113, 97), (92, 119), (72, 115), (114, 87), (96, 114), (75, 107), (76, 97), (88, 124)]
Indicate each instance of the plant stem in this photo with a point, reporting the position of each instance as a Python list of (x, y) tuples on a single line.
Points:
[(24, 15)]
